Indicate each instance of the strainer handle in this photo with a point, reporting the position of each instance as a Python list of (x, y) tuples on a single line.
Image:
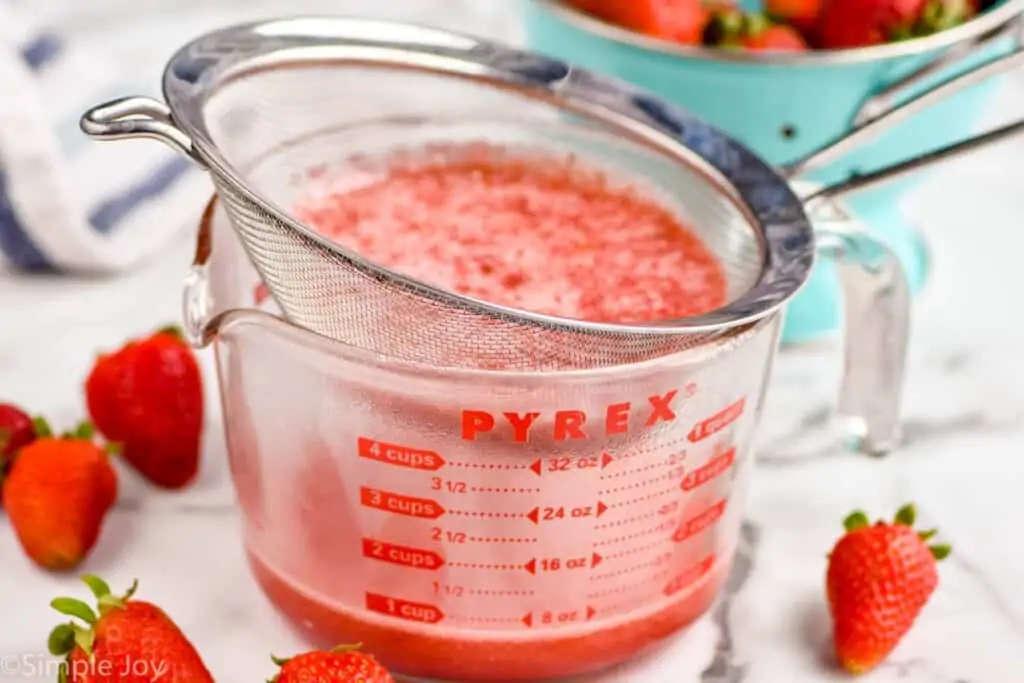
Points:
[(137, 117), (866, 130), (877, 323)]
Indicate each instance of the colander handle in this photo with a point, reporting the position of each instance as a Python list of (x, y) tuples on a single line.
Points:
[(879, 115), (877, 324), (137, 117)]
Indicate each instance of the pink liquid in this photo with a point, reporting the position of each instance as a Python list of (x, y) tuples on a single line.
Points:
[(532, 233)]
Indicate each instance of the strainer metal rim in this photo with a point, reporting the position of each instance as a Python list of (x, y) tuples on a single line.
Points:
[(196, 71)]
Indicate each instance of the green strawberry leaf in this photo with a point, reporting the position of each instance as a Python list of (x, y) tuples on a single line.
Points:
[(61, 640), (940, 552), (74, 608), (42, 427), (97, 585), (925, 535), (906, 515), (174, 330), (856, 520)]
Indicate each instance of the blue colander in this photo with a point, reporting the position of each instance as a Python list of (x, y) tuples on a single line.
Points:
[(824, 116)]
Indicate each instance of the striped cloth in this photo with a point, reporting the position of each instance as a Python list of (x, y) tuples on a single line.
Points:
[(68, 203)]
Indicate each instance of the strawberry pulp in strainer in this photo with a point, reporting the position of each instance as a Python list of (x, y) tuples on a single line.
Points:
[(439, 555)]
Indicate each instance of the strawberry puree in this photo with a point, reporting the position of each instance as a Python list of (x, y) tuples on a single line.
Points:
[(529, 232), (444, 654)]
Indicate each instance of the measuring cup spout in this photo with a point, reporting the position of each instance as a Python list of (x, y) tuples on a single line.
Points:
[(137, 117), (877, 323)]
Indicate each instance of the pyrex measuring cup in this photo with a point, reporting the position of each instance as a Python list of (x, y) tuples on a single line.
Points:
[(495, 526), (472, 523)]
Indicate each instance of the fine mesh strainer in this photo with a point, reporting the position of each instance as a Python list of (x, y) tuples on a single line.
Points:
[(267, 106)]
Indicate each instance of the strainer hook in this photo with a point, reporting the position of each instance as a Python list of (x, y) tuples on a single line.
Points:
[(137, 117)]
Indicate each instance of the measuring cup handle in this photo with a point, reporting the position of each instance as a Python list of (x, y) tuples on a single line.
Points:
[(877, 322)]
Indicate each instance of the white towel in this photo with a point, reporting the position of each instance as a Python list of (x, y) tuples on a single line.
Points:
[(68, 203)]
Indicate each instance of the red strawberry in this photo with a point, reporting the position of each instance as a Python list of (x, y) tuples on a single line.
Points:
[(800, 14), (879, 579), (148, 396), (17, 430), (681, 21), (863, 23), (341, 665), (753, 32), (124, 641), (774, 37), (58, 495)]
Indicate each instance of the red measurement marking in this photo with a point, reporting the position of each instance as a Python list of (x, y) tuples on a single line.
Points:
[(642, 484), (400, 456), (606, 459), (643, 582), (486, 620), (401, 555), (494, 467), (637, 550), (499, 489), (260, 294), (658, 561), (490, 567), (560, 513), (557, 564), (645, 498), (713, 468), (488, 515), (689, 576), (718, 421), (548, 618), (627, 521), (403, 609), (500, 539), (398, 504), (699, 522), (500, 593), (663, 527)]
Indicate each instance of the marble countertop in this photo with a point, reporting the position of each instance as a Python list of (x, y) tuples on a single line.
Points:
[(961, 462)]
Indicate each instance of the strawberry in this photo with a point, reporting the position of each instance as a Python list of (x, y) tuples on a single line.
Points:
[(148, 396), (773, 37), (681, 21), (800, 14), (123, 641), (879, 579), (58, 495), (752, 31), (863, 23), (17, 430), (343, 664)]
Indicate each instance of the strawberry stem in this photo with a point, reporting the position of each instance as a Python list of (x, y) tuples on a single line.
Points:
[(856, 520), (342, 649)]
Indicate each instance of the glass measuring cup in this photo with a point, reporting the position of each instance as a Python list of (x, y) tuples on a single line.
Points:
[(492, 526)]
